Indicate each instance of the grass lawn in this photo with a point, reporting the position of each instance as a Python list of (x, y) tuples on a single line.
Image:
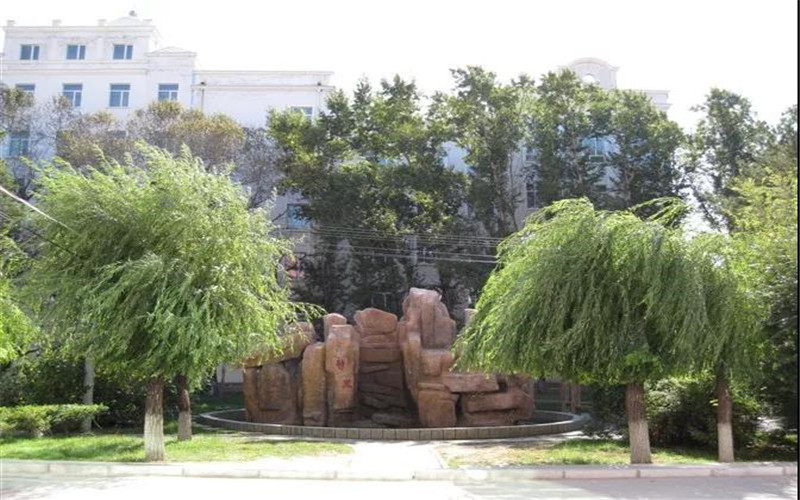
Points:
[(129, 447), (589, 451)]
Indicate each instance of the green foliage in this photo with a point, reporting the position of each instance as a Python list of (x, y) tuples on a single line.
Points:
[(727, 140), (217, 139), (158, 268), (602, 297), (16, 328), (763, 213), (371, 170), (49, 376), (642, 161), (682, 412), (566, 116), (40, 419), (90, 138), (487, 120)]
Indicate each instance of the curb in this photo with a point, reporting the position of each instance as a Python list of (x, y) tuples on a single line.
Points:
[(110, 469), (552, 422)]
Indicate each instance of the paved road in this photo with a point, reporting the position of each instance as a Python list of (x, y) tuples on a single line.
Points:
[(153, 488)]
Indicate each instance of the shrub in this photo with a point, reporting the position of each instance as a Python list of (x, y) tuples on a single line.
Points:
[(682, 411), (40, 419), (608, 411), (49, 377)]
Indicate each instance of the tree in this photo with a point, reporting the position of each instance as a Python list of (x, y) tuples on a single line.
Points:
[(600, 297), (488, 121), (567, 120), (370, 169), (158, 269), (763, 214), (727, 139), (641, 162), (256, 166), (216, 139), (92, 136), (16, 328)]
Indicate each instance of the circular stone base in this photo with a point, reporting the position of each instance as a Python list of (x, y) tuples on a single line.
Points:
[(551, 422)]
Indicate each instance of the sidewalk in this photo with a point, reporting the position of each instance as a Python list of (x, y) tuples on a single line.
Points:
[(387, 461)]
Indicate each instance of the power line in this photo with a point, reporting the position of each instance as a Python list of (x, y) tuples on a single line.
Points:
[(420, 235), (381, 249), (330, 251), (37, 234), (28, 205)]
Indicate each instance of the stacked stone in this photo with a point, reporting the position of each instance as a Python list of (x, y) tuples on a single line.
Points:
[(383, 370), (272, 388), (426, 334), (382, 393)]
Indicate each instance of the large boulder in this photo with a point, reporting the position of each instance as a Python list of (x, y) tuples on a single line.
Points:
[(329, 321), (292, 344), (424, 311), (437, 408), (314, 385), (341, 368), (373, 321), (470, 382)]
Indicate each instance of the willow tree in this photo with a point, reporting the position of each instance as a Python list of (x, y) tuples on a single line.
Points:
[(735, 310), (595, 297), (156, 270)]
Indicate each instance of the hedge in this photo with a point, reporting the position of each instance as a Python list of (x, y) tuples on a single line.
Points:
[(40, 419)]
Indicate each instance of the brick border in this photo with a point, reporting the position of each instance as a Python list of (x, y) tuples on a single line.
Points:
[(552, 422)]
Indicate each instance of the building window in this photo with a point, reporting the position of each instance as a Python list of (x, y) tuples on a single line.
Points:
[(73, 92), (596, 147), (307, 111), (168, 92), (530, 193), (75, 52), (295, 218), (120, 93), (529, 155), (26, 87), (29, 52), (123, 51), (19, 144)]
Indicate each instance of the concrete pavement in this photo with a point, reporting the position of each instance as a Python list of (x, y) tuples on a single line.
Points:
[(122, 488)]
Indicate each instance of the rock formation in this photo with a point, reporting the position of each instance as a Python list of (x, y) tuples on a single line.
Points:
[(380, 372)]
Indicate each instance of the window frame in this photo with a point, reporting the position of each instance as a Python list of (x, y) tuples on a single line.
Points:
[(301, 109), (127, 52), (80, 51), (73, 95), (124, 95), (170, 94), (24, 87), (33, 54), (293, 219), (19, 145)]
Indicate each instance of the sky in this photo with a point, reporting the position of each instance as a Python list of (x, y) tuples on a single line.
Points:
[(686, 47)]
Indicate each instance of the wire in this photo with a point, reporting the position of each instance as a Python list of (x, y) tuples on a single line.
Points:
[(37, 234), (330, 251), (361, 247), (20, 200), (430, 240), (450, 236)]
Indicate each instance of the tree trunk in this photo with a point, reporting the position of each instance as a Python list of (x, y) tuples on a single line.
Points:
[(88, 393), (154, 421), (724, 420), (637, 423), (184, 409)]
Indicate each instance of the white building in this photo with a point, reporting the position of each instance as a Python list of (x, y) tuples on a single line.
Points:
[(121, 66)]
